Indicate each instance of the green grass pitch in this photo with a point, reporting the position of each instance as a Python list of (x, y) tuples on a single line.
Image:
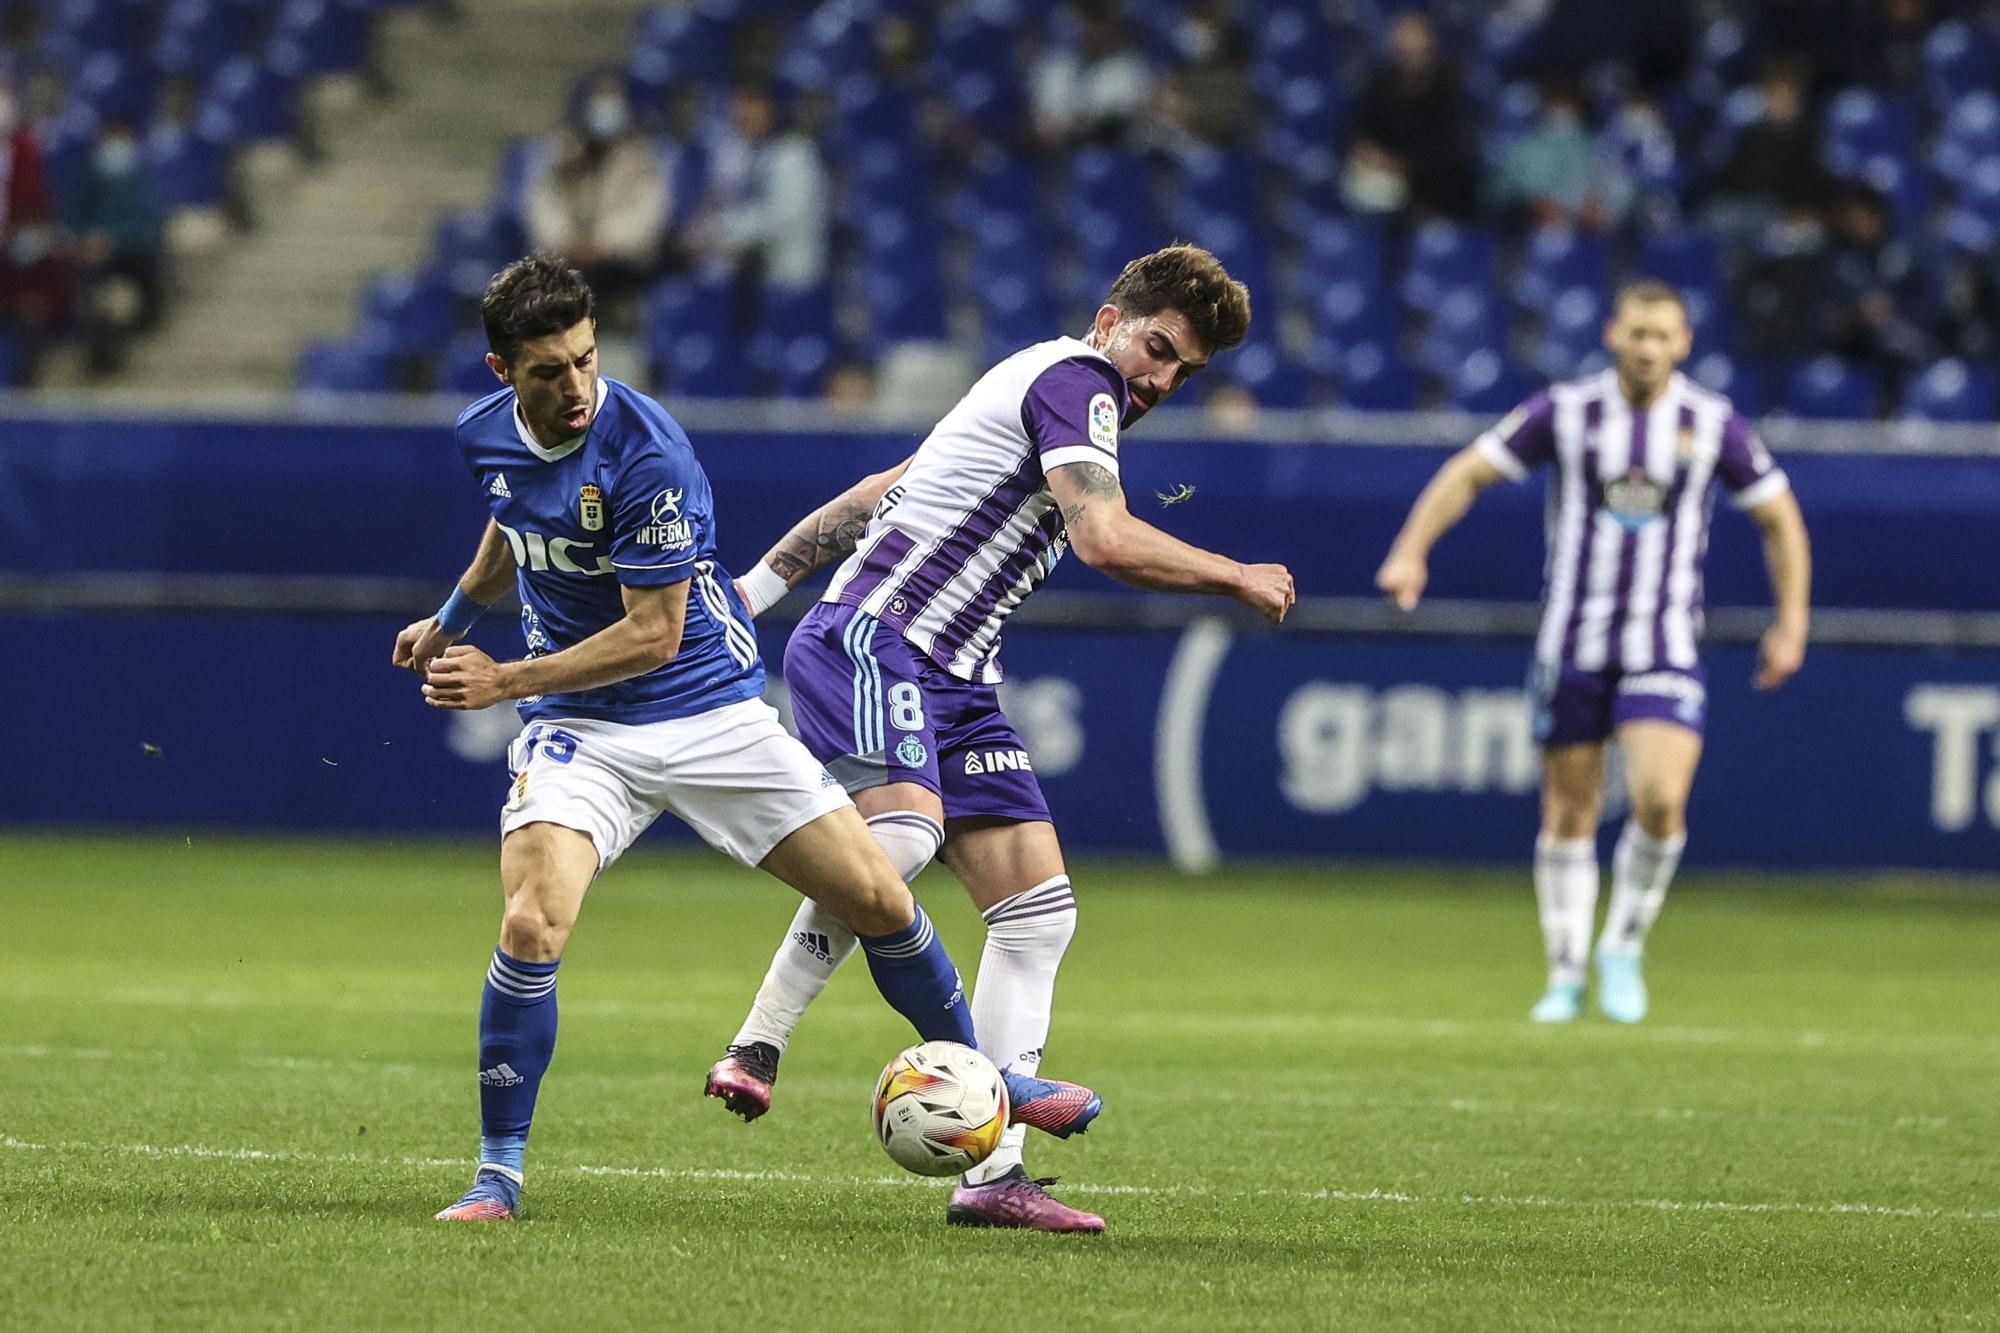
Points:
[(238, 1079)]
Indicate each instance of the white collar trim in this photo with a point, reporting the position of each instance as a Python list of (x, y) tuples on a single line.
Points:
[(567, 447)]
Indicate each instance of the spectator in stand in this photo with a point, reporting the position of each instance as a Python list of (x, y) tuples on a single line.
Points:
[(602, 198), (1873, 299), (1640, 144), (769, 207), (1889, 42), (36, 286), (120, 232), (1775, 165), (1409, 150), (1094, 92), (1204, 96), (1555, 175)]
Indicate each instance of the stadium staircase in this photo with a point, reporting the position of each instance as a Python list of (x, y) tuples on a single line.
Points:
[(462, 89)]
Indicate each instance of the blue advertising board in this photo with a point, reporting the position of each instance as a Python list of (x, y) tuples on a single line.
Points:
[(1204, 742)]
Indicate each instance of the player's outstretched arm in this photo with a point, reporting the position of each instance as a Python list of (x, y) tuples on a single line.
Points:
[(644, 639), (1108, 537), (1443, 502), (1788, 555), (830, 532), (485, 580)]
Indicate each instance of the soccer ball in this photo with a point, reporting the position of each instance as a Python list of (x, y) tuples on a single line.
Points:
[(940, 1108)]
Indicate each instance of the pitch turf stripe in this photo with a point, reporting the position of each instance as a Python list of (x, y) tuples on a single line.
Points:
[(1398, 1197)]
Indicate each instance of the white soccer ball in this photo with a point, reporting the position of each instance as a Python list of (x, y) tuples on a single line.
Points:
[(940, 1108)]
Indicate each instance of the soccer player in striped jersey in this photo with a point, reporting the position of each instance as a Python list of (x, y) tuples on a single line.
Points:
[(892, 674), (1637, 452), (641, 693)]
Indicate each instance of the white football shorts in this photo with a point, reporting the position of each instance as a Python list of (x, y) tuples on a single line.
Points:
[(733, 774)]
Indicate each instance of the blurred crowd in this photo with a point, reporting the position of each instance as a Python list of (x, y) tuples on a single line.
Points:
[(1430, 201)]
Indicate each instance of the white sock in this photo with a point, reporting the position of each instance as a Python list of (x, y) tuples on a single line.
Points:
[(1566, 892), (1641, 869), (1015, 993), (816, 943)]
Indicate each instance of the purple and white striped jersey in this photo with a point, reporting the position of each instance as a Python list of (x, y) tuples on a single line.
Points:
[(971, 529), (1628, 513)]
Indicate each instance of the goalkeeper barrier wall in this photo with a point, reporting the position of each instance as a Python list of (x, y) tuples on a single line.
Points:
[(200, 613)]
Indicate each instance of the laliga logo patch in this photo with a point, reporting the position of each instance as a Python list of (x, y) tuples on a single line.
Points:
[(590, 508), (1104, 423)]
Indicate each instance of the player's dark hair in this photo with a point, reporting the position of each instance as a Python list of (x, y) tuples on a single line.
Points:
[(532, 298), (1649, 291), (1189, 279)]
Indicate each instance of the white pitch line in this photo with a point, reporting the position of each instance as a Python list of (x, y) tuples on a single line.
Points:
[(1534, 1201), (1393, 1026)]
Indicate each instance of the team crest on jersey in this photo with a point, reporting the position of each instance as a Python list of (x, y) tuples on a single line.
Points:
[(1104, 423), (668, 528), (590, 508), (911, 753), (1635, 499)]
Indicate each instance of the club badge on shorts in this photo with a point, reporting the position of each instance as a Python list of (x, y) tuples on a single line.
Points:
[(590, 508)]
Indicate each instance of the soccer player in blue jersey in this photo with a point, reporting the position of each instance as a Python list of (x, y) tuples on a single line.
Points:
[(1638, 452), (641, 692)]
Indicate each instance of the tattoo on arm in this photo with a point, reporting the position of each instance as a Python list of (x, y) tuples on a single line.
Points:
[(831, 533), (1096, 483)]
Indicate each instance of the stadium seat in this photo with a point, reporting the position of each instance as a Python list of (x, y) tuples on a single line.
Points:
[(1827, 388), (1373, 378), (702, 365), (1958, 59), (1952, 390), (1357, 310), (1338, 249), (189, 168), (1216, 182), (1465, 320), (417, 311), (1968, 136), (1687, 259), (1263, 371), (1555, 260), (362, 362), (462, 369), (1863, 125), (1738, 380), (1444, 255), (680, 306), (1487, 382)]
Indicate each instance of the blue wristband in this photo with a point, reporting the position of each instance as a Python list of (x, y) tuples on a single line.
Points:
[(458, 613)]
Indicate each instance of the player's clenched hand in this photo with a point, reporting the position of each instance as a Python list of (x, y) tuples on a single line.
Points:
[(1401, 579), (464, 678), (1268, 590), (420, 641), (1779, 656)]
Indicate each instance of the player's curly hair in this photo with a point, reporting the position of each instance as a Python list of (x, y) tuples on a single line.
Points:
[(532, 298), (1189, 279)]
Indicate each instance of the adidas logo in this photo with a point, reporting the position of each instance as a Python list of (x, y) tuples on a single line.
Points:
[(499, 487), (815, 943), (500, 1076)]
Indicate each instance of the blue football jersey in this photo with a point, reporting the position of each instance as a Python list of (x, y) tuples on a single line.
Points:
[(626, 504)]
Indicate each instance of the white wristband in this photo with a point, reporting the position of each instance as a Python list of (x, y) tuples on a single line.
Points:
[(762, 588)]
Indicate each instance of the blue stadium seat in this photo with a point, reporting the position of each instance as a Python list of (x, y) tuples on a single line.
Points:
[(1863, 125), (115, 87), (1741, 381), (1826, 388), (1216, 182), (1292, 39), (1445, 255), (329, 35), (1688, 259), (1356, 310), (255, 95), (1263, 371), (702, 365), (1556, 259), (1958, 59), (418, 311), (361, 362), (471, 245), (1104, 180), (13, 364), (1373, 378), (1952, 390), (905, 303), (678, 307), (1303, 141), (462, 370), (1334, 249), (1465, 320), (1968, 136), (190, 168), (1488, 382)]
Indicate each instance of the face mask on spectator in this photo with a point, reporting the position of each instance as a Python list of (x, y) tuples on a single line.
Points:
[(605, 117), (117, 157)]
